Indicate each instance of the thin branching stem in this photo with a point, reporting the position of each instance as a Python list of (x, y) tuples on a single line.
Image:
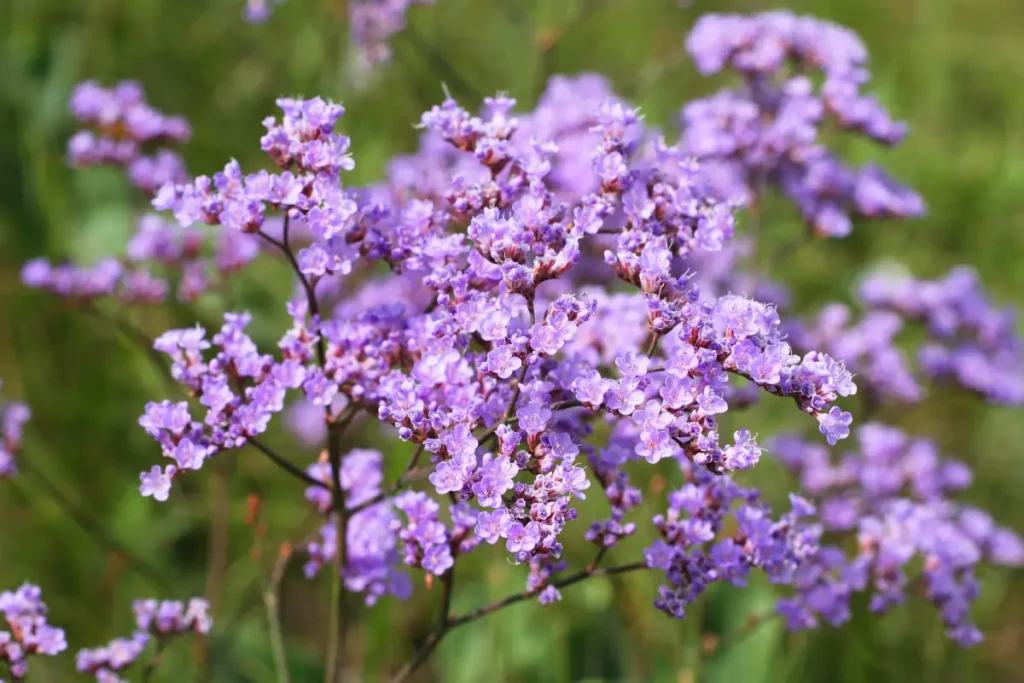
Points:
[(288, 467), (511, 409), (337, 624), (653, 346), (473, 615), (411, 473), (452, 622), (434, 639)]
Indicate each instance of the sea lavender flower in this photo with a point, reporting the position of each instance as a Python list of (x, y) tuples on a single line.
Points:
[(372, 24), (237, 389), (372, 566), (13, 416), (155, 621), (496, 349), (498, 415), (161, 258), (971, 341), (895, 495), (768, 132), (120, 124), (258, 11), (426, 541), (29, 632), (697, 547)]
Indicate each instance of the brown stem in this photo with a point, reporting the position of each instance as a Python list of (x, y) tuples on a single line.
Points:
[(454, 622), (152, 664), (337, 624), (434, 639), (601, 552), (288, 467), (526, 595), (411, 472), (653, 346), (311, 301)]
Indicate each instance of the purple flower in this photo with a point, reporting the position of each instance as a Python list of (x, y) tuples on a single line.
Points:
[(157, 482), (766, 134), (590, 388), (533, 417), (744, 454), (549, 596), (494, 525), (535, 301), (711, 403), (30, 633), (503, 362), (450, 476), (521, 538), (496, 477), (835, 425)]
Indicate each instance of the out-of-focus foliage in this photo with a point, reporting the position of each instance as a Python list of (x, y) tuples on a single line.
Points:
[(951, 68)]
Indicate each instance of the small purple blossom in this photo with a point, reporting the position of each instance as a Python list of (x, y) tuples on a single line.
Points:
[(30, 633)]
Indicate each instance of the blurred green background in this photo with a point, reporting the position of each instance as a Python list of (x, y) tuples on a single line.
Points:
[(953, 68)]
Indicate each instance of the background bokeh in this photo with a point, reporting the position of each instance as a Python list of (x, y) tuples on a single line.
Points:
[(74, 523)]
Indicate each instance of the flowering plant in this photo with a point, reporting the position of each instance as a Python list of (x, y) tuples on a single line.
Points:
[(542, 305)]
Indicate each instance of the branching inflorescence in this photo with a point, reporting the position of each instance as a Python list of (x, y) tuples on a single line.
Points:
[(27, 630), (769, 133), (894, 494), (156, 622), (558, 312), (160, 258)]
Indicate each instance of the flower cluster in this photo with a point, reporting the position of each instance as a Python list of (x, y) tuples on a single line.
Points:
[(502, 376), (535, 302), (29, 633), (695, 550), (238, 388), (121, 123), (155, 621), (893, 493), (565, 115), (426, 541), (768, 133), (971, 341), (308, 190), (371, 558), (13, 417), (161, 258)]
